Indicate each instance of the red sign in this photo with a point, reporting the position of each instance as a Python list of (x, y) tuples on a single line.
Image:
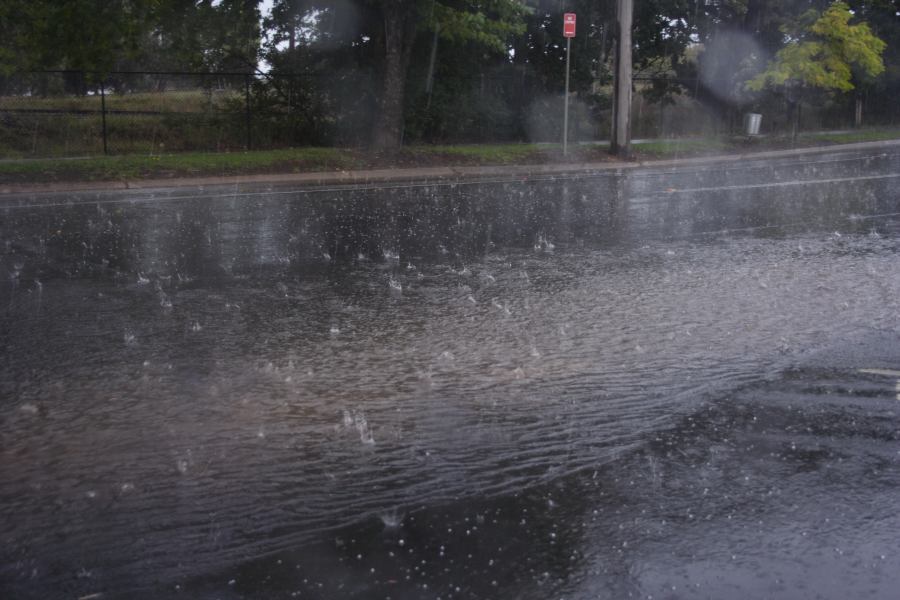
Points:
[(569, 25)]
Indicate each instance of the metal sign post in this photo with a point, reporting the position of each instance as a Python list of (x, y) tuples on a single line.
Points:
[(568, 33)]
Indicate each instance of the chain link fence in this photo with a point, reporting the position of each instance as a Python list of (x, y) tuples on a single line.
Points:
[(64, 113), (70, 114)]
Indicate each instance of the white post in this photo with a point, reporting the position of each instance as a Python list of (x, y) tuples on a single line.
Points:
[(566, 102)]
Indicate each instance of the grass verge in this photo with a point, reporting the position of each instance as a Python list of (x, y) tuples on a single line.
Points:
[(187, 164), (849, 137), (298, 160)]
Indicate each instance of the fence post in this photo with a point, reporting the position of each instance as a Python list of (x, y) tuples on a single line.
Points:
[(103, 114), (247, 106)]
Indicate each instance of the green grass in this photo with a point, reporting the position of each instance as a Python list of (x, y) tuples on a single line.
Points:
[(171, 165), (486, 153), (662, 149), (296, 160), (680, 148), (194, 101), (187, 164), (71, 135), (849, 137), (134, 166)]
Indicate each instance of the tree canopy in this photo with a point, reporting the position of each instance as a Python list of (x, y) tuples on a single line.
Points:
[(824, 52), (386, 71)]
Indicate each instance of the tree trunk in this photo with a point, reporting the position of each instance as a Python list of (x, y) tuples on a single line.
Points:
[(429, 81), (753, 17), (794, 111), (399, 35)]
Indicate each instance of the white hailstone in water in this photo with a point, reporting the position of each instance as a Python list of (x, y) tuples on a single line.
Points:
[(362, 426), (392, 519)]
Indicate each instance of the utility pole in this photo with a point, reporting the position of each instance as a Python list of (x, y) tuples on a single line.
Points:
[(621, 135)]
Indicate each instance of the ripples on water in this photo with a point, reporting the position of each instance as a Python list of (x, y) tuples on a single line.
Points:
[(154, 429)]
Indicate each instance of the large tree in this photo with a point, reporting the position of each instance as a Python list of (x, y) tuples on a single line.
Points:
[(490, 23), (382, 34), (85, 35), (822, 55), (98, 36)]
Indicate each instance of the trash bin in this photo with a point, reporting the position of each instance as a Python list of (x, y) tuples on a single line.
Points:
[(751, 123)]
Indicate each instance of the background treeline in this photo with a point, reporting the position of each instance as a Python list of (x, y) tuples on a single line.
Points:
[(385, 72)]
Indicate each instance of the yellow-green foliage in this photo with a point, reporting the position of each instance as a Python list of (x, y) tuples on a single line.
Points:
[(827, 55)]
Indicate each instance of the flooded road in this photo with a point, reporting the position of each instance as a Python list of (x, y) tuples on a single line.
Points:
[(710, 417), (655, 399)]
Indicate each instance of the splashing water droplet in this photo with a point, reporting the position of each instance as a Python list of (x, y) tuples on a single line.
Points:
[(362, 426), (392, 519)]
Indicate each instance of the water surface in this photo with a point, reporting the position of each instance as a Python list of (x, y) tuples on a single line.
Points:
[(670, 418)]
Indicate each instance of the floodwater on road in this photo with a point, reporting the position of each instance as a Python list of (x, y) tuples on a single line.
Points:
[(711, 418)]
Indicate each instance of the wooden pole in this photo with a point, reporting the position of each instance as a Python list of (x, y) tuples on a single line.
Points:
[(621, 138)]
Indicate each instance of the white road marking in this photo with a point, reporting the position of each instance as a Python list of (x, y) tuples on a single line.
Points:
[(886, 373)]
